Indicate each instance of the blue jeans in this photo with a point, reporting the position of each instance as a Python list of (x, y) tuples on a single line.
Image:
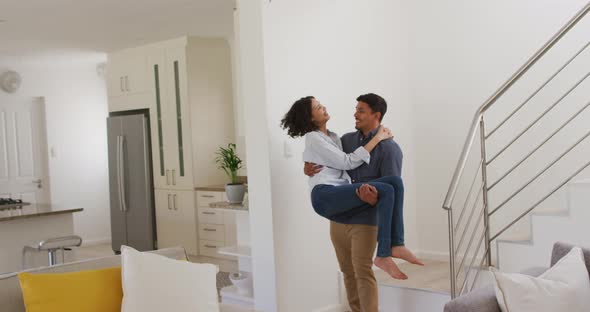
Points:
[(330, 200)]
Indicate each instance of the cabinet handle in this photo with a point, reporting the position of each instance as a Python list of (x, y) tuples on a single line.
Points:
[(167, 177), (127, 83), (208, 213), (207, 196), (210, 230), (173, 176), (174, 199), (169, 208), (121, 84), (209, 246)]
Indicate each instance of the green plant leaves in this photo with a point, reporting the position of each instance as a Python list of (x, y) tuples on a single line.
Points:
[(228, 160)]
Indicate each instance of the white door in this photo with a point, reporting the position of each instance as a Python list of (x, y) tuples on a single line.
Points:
[(24, 165)]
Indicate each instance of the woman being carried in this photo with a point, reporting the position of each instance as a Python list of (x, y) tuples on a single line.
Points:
[(332, 192)]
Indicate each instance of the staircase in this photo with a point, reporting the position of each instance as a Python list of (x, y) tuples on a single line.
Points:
[(568, 225), (516, 189)]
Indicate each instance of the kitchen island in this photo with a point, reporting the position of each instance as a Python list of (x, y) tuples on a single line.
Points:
[(28, 225)]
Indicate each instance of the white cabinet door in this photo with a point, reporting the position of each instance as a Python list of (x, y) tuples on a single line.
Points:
[(178, 128), (176, 220), (136, 72), (158, 114), (128, 74), (185, 216), (166, 227), (115, 67)]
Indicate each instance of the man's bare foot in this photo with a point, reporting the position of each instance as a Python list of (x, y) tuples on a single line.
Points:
[(386, 264), (401, 252)]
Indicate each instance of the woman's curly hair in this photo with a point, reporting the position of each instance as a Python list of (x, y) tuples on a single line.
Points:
[(297, 121)]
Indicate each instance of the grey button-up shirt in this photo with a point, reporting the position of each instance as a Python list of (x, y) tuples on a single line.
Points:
[(386, 160), (326, 150)]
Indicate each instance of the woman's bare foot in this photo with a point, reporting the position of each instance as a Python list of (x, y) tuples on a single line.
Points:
[(386, 264), (401, 252)]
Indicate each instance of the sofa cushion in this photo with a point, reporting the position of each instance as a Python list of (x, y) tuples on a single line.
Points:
[(152, 283), (564, 287), (561, 249), (11, 299), (91, 291), (481, 300)]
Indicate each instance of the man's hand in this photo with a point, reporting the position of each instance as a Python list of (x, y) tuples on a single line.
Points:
[(368, 194), (311, 169)]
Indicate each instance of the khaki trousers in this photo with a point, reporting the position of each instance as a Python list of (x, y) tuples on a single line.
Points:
[(355, 246)]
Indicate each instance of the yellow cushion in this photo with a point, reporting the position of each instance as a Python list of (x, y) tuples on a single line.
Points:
[(88, 291)]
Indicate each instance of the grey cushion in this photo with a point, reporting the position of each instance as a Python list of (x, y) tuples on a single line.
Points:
[(561, 249), (480, 300), (484, 299)]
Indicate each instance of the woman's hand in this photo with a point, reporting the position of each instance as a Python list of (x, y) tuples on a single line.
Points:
[(384, 134)]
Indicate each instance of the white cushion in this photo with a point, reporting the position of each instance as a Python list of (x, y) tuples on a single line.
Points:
[(564, 287), (153, 283)]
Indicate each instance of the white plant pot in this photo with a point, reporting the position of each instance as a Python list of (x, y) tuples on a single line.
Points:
[(235, 193)]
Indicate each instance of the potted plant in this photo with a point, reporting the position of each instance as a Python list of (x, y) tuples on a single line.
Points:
[(228, 160)]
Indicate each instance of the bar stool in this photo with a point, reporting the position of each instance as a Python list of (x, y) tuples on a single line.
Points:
[(52, 245)]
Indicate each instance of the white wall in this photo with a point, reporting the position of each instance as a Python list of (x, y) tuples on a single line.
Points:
[(434, 62), (462, 51), (326, 49), (252, 97), (76, 108)]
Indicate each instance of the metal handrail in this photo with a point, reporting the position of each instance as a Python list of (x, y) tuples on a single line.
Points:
[(539, 146), (478, 125), (550, 108), (541, 200), (540, 173), (543, 85), (494, 97)]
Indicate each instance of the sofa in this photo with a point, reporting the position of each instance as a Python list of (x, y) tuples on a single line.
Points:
[(484, 299), (11, 299)]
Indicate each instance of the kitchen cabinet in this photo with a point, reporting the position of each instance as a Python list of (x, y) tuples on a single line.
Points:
[(176, 220), (217, 228)]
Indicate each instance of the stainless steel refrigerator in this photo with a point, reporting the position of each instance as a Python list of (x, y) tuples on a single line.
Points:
[(131, 186)]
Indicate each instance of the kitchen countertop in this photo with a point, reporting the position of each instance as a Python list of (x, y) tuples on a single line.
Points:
[(227, 206), (33, 210), (211, 188), (214, 188)]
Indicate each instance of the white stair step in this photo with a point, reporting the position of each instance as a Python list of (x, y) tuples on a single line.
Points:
[(547, 227)]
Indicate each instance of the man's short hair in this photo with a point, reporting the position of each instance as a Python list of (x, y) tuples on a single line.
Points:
[(375, 102)]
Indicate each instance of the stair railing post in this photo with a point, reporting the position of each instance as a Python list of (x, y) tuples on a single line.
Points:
[(452, 253), (484, 177)]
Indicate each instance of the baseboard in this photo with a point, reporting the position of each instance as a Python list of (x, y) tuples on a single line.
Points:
[(332, 308), (94, 242), (433, 255)]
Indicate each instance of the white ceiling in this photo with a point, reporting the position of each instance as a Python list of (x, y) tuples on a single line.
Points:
[(42, 27)]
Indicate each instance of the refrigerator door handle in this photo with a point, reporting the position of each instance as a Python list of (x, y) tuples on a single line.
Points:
[(167, 177), (174, 177), (169, 206), (175, 208), (119, 172), (122, 156)]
